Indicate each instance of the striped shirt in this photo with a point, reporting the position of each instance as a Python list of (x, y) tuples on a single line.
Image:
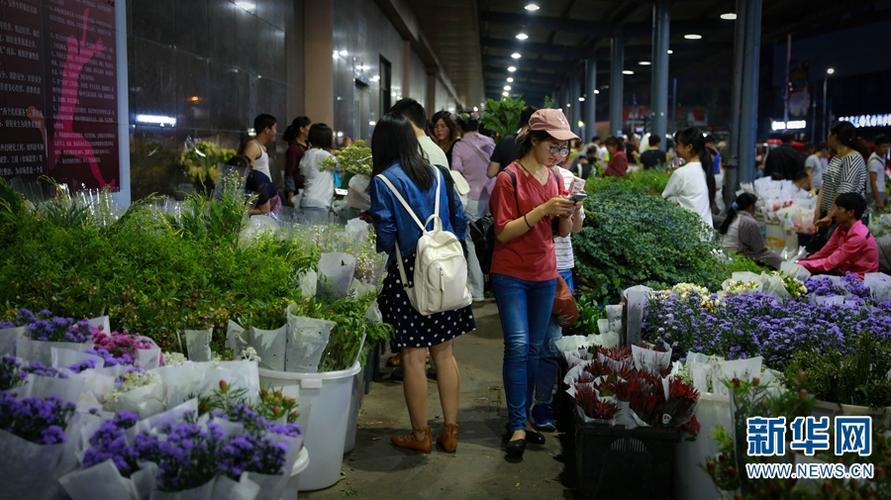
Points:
[(563, 245), (845, 174)]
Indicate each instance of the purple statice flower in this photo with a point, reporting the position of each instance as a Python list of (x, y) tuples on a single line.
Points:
[(87, 364), (39, 369), (11, 373), (110, 359), (186, 454), (110, 442), (6, 324), (290, 430), (24, 317), (856, 286), (41, 421), (251, 453), (59, 329)]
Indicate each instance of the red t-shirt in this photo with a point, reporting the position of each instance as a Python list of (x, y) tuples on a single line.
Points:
[(531, 256)]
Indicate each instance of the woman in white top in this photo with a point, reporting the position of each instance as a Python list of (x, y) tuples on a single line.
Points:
[(319, 191), (693, 185)]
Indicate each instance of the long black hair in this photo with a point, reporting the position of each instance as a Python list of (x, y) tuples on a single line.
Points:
[(846, 134), (694, 137), (743, 202), (293, 129), (394, 141)]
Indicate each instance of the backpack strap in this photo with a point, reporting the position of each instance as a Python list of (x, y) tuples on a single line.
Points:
[(434, 216)]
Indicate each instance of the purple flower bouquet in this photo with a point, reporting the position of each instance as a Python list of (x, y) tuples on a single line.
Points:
[(34, 436), (44, 331)]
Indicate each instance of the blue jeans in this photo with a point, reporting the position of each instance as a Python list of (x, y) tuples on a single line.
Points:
[(525, 311), (549, 366)]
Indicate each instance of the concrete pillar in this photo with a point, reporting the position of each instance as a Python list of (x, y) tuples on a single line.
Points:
[(406, 68), (746, 58), (318, 47), (430, 104), (616, 84), (590, 104), (659, 76), (574, 115)]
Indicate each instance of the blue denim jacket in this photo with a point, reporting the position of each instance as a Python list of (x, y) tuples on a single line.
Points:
[(392, 223)]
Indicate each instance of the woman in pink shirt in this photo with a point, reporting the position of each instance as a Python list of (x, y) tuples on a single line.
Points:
[(851, 249)]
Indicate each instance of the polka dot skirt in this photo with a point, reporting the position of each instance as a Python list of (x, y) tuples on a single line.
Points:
[(411, 328)]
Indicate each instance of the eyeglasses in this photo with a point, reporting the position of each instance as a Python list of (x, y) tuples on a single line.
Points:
[(557, 150)]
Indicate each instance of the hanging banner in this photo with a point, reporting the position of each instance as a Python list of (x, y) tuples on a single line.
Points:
[(58, 91)]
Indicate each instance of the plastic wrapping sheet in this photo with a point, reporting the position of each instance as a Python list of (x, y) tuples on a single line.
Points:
[(9, 338), (336, 270), (198, 344), (307, 340), (879, 285)]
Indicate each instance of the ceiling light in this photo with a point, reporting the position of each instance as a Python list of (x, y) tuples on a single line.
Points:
[(507, 87), (830, 71), (505, 93), (376, 78), (522, 36), (475, 109), (729, 16), (568, 105), (516, 55), (248, 6), (372, 123), (693, 36), (532, 7), (581, 99), (581, 124), (510, 79), (343, 53), (644, 63), (627, 72), (669, 52), (511, 68), (596, 91)]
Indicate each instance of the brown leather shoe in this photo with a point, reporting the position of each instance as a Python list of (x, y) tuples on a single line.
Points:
[(411, 442), (448, 439)]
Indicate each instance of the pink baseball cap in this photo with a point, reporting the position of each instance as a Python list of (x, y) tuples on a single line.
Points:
[(554, 122)]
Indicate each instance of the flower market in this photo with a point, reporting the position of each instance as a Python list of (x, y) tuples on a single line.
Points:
[(318, 249)]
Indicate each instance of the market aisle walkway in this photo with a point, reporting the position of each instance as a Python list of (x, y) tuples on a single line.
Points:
[(377, 470)]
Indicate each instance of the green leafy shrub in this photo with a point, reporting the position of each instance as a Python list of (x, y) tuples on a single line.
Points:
[(502, 116), (651, 182), (631, 237)]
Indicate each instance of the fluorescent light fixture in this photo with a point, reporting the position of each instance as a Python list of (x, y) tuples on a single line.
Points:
[(581, 98), (522, 36), (343, 53), (251, 133), (161, 120), (644, 63), (531, 7), (372, 123), (627, 72), (376, 78), (516, 55), (512, 69), (510, 79), (669, 52), (507, 87), (248, 6), (729, 16), (830, 71), (693, 36), (596, 91)]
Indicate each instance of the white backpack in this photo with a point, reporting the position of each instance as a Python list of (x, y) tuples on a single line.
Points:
[(440, 277)]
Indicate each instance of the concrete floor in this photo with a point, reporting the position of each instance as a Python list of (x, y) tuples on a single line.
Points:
[(375, 469)]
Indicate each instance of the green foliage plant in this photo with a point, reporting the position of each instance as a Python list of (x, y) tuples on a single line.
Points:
[(503, 115)]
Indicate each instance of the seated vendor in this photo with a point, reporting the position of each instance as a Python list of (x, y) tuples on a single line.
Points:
[(851, 249), (742, 234)]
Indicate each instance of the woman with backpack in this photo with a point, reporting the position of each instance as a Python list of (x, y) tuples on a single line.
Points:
[(400, 174), (528, 208)]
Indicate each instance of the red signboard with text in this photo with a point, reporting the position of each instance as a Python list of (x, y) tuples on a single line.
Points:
[(58, 91)]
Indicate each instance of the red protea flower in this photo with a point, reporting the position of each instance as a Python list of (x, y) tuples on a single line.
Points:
[(616, 353)]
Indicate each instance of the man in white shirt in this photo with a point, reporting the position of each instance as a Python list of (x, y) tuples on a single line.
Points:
[(876, 169)]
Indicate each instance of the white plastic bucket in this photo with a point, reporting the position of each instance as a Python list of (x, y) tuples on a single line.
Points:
[(323, 402), (291, 487), (356, 397), (691, 481)]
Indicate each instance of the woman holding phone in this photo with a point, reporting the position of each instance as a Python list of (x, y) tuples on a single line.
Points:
[(526, 201)]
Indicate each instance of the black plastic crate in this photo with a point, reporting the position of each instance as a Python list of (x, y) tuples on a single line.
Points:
[(616, 463)]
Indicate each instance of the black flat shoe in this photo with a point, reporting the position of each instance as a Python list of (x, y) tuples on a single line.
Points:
[(515, 449), (534, 437)]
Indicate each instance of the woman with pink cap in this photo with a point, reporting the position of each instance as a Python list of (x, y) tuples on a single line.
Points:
[(525, 203)]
